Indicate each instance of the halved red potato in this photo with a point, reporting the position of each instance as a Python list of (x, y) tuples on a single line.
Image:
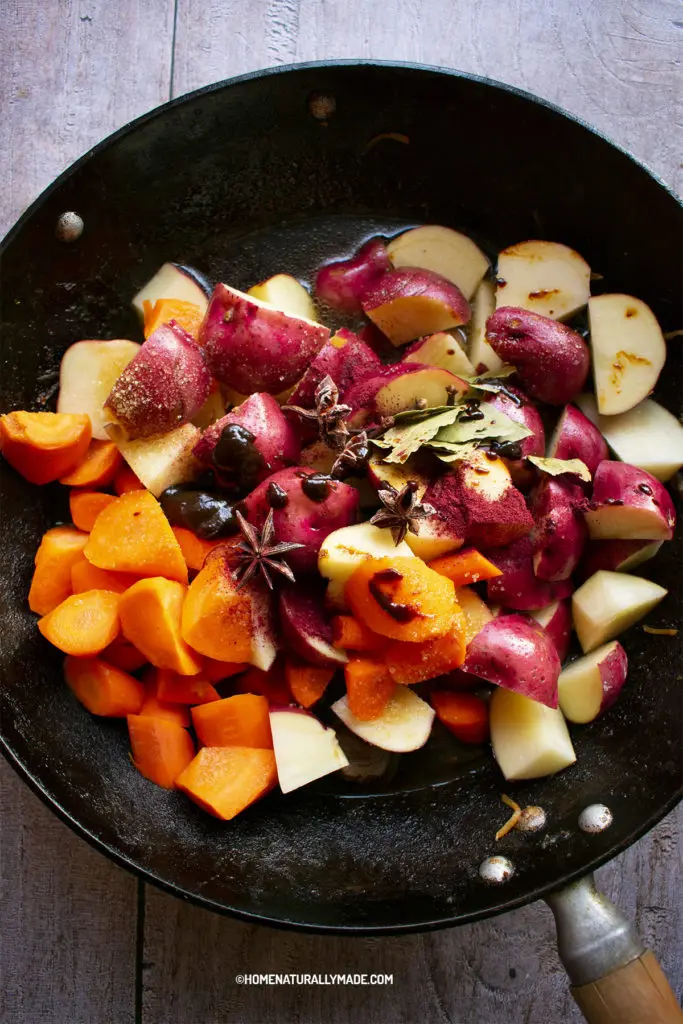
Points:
[(444, 251), (591, 684), (409, 303), (628, 351), (629, 504), (545, 277)]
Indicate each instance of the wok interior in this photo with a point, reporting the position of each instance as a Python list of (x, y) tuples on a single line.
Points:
[(241, 183)]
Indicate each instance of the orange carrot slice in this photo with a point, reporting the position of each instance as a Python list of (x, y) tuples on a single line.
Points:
[(239, 721), (123, 655), (307, 683), (60, 549), (270, 684), (150, 619), (216, 615), (43, 446), (162, 749), (401, 598), (176, 689), (466, 715), (216, 671), (83, 624), (155, 708), (133, 535), (369, 687), (353, 635), (410, 663), (102, 688), (85, 507), (97, 468), (126, 480), (225, 780), (188, 315), (86, 576), (194, 548), (465, 566)]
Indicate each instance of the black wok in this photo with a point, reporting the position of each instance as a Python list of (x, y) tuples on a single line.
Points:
[(241, 181)]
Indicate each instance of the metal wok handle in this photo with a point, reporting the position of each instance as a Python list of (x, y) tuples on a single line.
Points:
[(615, 980)]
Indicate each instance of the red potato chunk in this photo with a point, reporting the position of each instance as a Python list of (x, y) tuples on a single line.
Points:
[(408, 303), (551, 359), (252, 346), (163, 386), (560, 533), (307, 507), (344, 358), (575, 437), (398, 387), (341, 284), (519, 587), (629, 504), (305, 628), (517, 654)]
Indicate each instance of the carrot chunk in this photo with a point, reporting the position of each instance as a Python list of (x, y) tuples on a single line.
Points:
[(270, 684), (123, 655), (369, 687), (239, 721), (162, 749), (177, 689), (60, 549), (187, 314), (97, 468), (353, 635), (85, 507), (102, 688), (86, 576), (307, 683), (83, 624), (43, 446), (465, 566), (466, 715), (133, 535), (216, 671), (126, 480), (401, 598), (153, 707), (216, 615), (225, 780), (150, 619), (410, 663), (194, 548)]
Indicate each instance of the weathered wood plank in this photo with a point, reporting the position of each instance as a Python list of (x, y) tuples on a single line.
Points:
[(72, 73)]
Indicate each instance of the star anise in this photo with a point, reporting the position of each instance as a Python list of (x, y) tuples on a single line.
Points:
[(329, 414), (257, 552), (353, 458), (402, 511)]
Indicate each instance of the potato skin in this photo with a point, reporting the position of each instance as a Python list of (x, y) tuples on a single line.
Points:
[(519, 587), (576, 437), (515, 652), (551, 359)]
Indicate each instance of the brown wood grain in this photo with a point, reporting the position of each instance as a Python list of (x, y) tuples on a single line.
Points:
[(75, 70)]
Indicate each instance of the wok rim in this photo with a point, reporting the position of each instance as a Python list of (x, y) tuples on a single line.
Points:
[(26, 774)]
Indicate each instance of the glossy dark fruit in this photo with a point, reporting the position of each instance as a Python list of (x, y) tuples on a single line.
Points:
[(236, 453), (316, 486), (207, 515)]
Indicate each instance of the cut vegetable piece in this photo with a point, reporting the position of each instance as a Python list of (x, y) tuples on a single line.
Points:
[(399, 387), (43, 446), (465, 567), (410, 663), (284, 292), (369, 686), (408, 303), (134, 535), (173, 281), (194, 548), (608, 603), (177, 689), (161, 749), (304, 748), (591, 684), (448, 253), (476, 613), (556, 620), (270, 684), (617, 555), (513, 652), (102, 688), (628, 351), (86, 576), (529, 740), (126, 480), (576, 437), (546, 277), (239, 721), (60, 549), (518, 587), (85, 507), (443, 350), (97, 468), (350, 634), (217, 671), (344, 550), (187, 315), (341, 284), (480, 353), (305, 629), (160, 462), (83, 624), (465, 715), (629, 504), (152, 707), (226, 780), (402, 598), (123, 655), (306, 682), (647, 436), (150, 619), (404, 725), (87, 374)]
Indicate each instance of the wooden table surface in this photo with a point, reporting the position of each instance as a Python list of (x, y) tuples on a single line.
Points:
[(82, 941)]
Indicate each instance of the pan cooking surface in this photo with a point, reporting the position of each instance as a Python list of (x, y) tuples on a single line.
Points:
[(242, 182)]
